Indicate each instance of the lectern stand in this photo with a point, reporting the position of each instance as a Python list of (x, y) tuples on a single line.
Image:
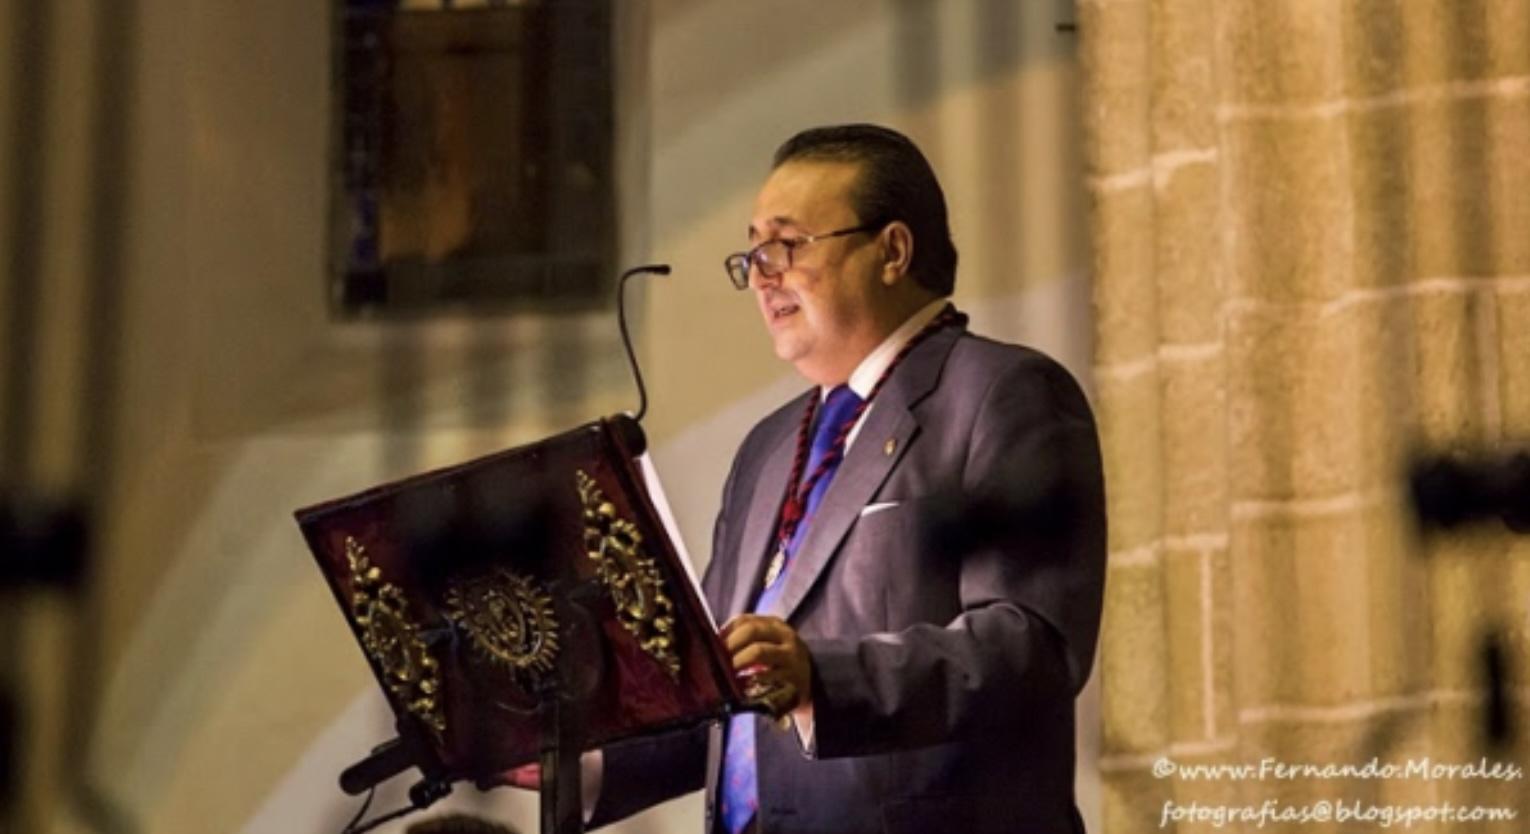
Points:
[(561, 792)]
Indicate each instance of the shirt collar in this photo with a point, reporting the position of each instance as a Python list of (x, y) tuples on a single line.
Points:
[(871, 368)]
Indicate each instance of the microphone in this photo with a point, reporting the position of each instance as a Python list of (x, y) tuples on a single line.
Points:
[(621, 319), (386, 761)]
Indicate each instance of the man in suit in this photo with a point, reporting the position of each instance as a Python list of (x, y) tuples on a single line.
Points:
[(910, 556)]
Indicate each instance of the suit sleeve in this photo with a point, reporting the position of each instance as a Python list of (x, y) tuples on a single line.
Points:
[(643, 772), (1028, 534)]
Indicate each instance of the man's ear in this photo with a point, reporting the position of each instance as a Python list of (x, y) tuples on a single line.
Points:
[(897, 242)]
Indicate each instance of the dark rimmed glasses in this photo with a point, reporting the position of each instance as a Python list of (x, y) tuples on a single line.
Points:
[(774, 257)]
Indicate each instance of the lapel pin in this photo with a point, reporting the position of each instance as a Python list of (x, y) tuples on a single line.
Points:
[(889, 447)]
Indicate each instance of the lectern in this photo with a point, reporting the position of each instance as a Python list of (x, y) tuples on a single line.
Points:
[(523, 606)]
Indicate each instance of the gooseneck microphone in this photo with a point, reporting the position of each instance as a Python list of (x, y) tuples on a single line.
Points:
[(621, 320)]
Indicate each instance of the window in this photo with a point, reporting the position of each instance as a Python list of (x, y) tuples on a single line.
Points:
[(473, 167)]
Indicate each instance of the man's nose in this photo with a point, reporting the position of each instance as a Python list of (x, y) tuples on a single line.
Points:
[(759, 280)]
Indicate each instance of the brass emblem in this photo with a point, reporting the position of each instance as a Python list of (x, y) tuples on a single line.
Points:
[(631, 577), (889, 447), (392, 640), (509, 619)]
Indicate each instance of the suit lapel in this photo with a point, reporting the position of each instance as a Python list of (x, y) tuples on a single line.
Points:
[(866, 465), (862, 472), (764, 510)]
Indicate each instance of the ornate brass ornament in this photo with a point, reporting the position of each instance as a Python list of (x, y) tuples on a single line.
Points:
[(509, 619), (393, 640), (630, 576)]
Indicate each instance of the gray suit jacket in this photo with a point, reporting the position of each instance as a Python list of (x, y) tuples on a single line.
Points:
[(949, 589)]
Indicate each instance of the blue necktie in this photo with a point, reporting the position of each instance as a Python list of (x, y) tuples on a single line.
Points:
[(740, 786)]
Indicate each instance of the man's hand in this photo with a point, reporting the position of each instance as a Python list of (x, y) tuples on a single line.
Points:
[(772, 660), (528, 776)]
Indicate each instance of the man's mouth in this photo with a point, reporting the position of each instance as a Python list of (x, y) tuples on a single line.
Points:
[(781, 309)]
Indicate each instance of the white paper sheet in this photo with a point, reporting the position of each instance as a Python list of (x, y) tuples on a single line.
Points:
[(661, 503)]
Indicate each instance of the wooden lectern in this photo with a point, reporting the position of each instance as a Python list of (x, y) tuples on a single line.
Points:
[(528, 605)]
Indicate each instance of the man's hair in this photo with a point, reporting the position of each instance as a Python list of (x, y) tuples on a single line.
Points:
[(895, 183), (458, 824)]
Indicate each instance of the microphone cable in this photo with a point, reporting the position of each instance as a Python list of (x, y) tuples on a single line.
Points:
[(621, 320)]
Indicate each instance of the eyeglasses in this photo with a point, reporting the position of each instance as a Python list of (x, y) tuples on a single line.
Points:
[(774, 257)]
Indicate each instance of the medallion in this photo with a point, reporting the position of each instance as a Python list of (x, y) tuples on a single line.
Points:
[(509, 618), (777, 564)]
